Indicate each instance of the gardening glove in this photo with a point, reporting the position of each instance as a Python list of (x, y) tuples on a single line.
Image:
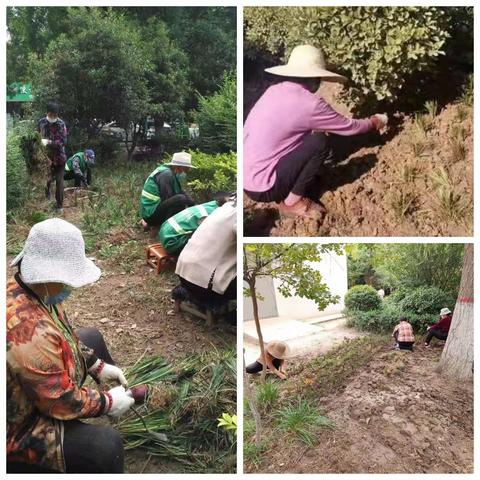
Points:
[(379, 120), (118, 402), (46, 142), (104, 372)]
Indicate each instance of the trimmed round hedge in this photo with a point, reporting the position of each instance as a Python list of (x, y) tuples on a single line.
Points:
[(362, 298)]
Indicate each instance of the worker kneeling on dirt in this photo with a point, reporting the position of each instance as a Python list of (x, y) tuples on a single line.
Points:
[(285, 142), (48, 362), (403, 334), (79, 168), (162, 194), (441, 328), (207, 266), (275, 354), (176, 231)]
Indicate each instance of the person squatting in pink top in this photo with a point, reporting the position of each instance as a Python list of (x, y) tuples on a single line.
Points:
[(285, 142)]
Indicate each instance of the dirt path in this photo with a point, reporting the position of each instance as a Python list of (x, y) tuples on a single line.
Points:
[(397, 415)]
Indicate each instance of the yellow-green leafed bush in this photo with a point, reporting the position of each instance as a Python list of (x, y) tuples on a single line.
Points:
[(214, 173), (375, 47)]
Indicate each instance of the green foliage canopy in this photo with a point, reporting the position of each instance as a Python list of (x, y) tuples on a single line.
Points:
[(217, 117), (377, 48)]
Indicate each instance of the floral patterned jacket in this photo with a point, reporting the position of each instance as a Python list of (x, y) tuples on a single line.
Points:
[(46, 368), (57, 133)]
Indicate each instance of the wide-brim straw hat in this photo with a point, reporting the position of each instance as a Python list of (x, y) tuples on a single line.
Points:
[(55, 253), (181, 159), (306, 61), (278, 349), (445, 311)]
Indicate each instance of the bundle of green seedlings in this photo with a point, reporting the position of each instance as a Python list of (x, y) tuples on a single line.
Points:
[(184, 402)]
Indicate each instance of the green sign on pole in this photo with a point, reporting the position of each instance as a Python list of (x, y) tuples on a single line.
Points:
[(19, 92)]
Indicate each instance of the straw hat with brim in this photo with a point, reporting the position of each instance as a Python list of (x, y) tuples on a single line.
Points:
[(278, 350), (445, 311), (55, 252), (306, 61), (181, 159)]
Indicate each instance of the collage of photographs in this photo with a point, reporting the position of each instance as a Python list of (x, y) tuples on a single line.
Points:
[(239, 238)]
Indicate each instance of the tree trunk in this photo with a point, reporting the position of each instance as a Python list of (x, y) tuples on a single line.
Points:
[(253, 405), (253, 292), (457, 356)]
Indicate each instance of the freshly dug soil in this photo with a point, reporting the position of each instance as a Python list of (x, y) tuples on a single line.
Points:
[(396, 415), (389, 184)]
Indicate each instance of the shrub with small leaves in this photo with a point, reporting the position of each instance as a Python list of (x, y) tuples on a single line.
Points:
[(214, 173), (377, 48), (363, 298), (427, 300)]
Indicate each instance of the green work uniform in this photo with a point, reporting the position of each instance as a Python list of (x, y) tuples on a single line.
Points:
[(150, 198), (175, 232), (81, 162)]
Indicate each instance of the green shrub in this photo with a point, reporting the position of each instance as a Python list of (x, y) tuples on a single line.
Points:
[(385, 318), (16, 172), (170, 141), (426, 300), (217, 118), (267, 395), (377, 48), (363, 298), (214, 173), (105, 147)]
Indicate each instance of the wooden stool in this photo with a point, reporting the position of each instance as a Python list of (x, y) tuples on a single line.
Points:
[(192, 309), (158, 258)]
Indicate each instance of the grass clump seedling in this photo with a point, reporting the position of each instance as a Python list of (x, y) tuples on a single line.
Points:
[(267, 395), (401, 202), (303, 420), (185, 402), (450, 204)]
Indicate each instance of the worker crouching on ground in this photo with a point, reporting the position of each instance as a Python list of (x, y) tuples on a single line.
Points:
[(162, 194), (48, 362), (176, 231), (275, 353), (79, 168), (403, 334), (441, 328), (207, 266), (54, 137), (285, 142)]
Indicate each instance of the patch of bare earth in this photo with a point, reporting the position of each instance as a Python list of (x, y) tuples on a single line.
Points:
[(396, 415)]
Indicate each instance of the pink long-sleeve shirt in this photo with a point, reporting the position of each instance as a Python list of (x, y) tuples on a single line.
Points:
[(277, 125)]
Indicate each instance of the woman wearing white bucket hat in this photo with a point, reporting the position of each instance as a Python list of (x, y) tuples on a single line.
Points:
[(47, 363), (282, 154), (441, 328), (163, 195)]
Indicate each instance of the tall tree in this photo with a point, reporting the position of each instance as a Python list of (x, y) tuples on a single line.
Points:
[(97, 71), (457, 356)]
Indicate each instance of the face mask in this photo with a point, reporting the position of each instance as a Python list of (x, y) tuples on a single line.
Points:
[(59, 297), (182, 176), (51, 120)]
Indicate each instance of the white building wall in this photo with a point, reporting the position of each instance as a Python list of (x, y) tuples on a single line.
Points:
[(333, 269)]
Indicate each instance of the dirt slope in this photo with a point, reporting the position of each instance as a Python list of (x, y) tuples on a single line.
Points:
[(407, 182), (397, 415)]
